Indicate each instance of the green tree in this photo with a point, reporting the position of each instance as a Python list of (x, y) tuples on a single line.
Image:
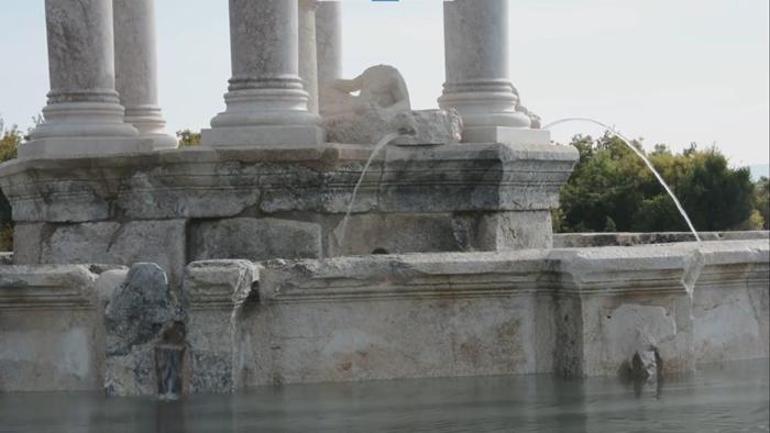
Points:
[(188, 138), (762, 201), (10, 139), (612, 189)]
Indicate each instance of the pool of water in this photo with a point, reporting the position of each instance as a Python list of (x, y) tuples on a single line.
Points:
[(727, 398)]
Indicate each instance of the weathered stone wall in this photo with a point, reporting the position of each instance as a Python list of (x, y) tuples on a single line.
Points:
[(179, 206), (574, 312)]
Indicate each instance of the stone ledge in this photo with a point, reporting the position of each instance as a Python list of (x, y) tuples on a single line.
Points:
[(66, 287), (217, 284), (595, 271), (584, 240)]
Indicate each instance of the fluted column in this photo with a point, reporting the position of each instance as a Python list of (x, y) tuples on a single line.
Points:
[(136, 69), (308, 59), (329, 47), (83, 115), (266, 102), (477, 77)]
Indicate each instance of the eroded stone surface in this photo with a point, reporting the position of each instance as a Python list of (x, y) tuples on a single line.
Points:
[(136, 317), (254, 239), (216, 292), (161, 242)]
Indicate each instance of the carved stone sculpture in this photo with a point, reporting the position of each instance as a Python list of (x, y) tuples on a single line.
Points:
[(380, 107)]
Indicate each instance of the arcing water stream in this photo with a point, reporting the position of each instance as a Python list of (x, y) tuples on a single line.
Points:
[(641, 155)]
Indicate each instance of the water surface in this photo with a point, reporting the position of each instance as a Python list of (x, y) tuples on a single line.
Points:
[(728, 398)]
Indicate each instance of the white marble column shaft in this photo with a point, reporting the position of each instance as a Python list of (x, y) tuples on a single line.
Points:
[(266, 102), (136, 69), (477, 84), (308, 58), (83, 115), (329, 47)]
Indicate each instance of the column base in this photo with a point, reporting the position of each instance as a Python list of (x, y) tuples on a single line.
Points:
[(506, 135), (279, 136), (160, 141), (148, 120), (74, 147)]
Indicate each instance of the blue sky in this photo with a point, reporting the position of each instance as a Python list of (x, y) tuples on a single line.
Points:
[(672, 71)]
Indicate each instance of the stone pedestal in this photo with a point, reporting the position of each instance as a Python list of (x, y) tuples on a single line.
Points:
[(266, 104), (136, 69), (83, 115), (477, 77)]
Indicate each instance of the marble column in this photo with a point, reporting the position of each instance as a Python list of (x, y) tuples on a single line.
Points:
[(308, 59), (329, 47), (477, 76), (136, 69), (83, 115), (266, 103)]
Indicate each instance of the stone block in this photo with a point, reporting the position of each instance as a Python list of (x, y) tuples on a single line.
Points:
[(391, 234), (28, 243), (503, 231), (50, 336), (254, 239), (506, 135), (161, 242), (263, 136)]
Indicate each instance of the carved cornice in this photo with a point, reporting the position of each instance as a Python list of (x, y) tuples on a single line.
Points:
[(68, 287), (628, 271), (219, 284)]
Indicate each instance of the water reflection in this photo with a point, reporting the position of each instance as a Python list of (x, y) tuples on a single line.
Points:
[(731, 398)]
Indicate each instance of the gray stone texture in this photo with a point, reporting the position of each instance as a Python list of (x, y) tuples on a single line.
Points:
[(51, 338), (575, 312), (328, 48), (161, 242), (124, 209), (215, 293), (254, 239), (135, 319), (136, 69)]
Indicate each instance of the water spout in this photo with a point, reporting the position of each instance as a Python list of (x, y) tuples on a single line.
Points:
[(641, 155), (387, 139)]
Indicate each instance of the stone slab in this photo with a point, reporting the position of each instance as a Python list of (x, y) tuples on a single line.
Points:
[(254, 239), (506, 135), (161, 242), (263, 136)]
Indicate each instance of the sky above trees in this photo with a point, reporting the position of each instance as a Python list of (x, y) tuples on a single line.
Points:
[(668, 71)]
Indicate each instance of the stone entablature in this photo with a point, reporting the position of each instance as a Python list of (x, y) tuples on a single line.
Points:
[(179, 206)]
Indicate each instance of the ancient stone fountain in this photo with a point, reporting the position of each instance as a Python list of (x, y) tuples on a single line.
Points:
[(140, 268)]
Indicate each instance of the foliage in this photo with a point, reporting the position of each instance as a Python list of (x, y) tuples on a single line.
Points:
[(10, 139), (762, 201), (611, 189), (188, 138)]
